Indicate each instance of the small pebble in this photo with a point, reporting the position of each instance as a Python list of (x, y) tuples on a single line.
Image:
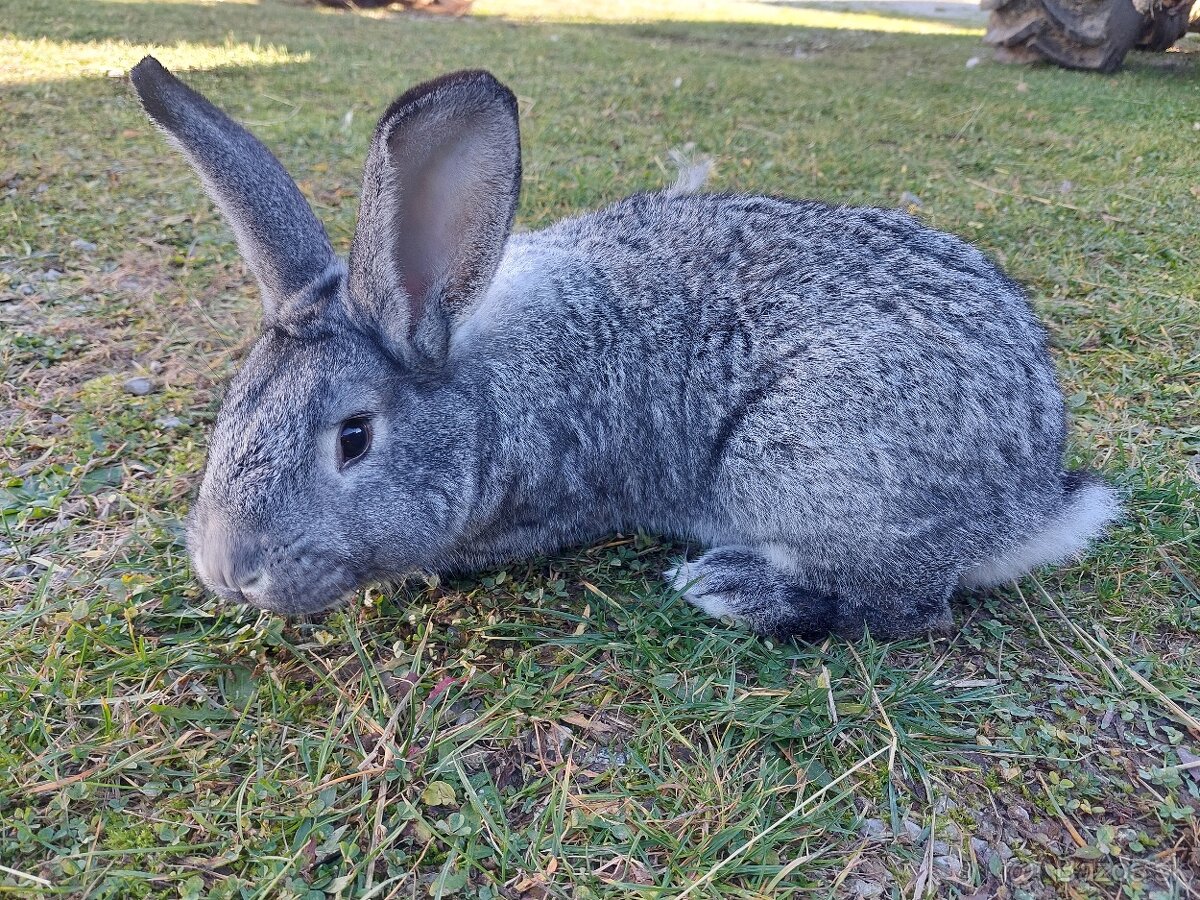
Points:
[(973, 62), (51, 275), (874, 828), (1187, 758), (56, 419), (982, 851), (25, 290), (1066, 187), (81, 244), (950, 865), (139, 386), (169, 422), (1018, 812), (908, 198), (860, 887), (913, 829)]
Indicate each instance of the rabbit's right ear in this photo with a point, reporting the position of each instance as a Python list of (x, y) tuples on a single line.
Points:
[(438, 199), (277, 232)]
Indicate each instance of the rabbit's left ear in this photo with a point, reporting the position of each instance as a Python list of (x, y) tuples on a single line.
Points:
[(277, 231), (438, 199)]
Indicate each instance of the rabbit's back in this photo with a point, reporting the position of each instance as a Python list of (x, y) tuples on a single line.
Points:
[(761, 369)]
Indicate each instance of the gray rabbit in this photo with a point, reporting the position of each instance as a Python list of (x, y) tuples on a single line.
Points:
[(856, 413)]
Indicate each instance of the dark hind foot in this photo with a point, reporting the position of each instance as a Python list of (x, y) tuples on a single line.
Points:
[(768, 591), (742, 584)]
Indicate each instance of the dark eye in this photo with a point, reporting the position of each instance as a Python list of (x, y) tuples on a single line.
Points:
[(354, 439)]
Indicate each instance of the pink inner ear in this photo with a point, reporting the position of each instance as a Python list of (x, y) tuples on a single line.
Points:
[(415, 287)]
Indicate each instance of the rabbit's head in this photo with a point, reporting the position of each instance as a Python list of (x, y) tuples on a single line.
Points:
[(332, 460)]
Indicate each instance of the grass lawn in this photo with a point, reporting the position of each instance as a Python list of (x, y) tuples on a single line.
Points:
[(565, 727)]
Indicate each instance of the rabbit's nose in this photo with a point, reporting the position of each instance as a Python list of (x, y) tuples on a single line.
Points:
[(243, 570), (230, 564), (253, 584)]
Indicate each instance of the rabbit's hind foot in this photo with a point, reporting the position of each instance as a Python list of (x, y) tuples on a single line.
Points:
[(751, 586), (765, 589)]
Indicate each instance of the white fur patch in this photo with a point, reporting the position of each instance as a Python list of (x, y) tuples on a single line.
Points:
[(1092, 508), (521, 278), (780, 556), (693, 172), (687, 581)]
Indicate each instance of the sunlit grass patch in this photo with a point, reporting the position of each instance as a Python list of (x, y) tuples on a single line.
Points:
[(743, 12), (26, 60)]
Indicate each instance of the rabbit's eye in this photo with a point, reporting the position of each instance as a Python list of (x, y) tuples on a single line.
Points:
[(354, 439)]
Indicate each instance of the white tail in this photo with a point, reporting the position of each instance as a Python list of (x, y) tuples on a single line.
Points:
[(1089, 509)]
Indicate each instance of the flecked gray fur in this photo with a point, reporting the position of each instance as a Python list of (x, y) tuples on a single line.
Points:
[(857, 413)]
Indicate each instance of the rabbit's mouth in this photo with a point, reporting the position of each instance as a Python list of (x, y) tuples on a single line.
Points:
[(286, 574), (289, 605), (315, 593), (332, 588)]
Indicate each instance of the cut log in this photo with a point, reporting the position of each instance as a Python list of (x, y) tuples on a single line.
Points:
[(1084, 34), (441, 7)]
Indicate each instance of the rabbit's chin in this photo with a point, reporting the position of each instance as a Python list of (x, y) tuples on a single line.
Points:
[(284, 606), (295, 606), (289, 602)]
